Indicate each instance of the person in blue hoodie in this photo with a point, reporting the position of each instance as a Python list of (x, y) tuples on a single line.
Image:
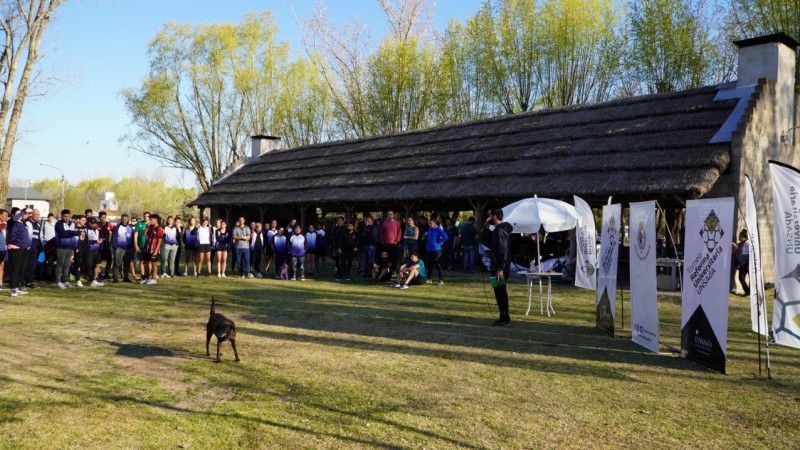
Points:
[(122, 242), (436, 237), (18, 241)]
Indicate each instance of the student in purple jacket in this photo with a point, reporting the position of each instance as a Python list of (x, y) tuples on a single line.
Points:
[(279, 244), (18, 242), (66, 235)]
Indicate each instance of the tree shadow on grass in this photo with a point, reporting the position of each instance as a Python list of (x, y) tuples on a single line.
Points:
[(98, 391), (349, 313)]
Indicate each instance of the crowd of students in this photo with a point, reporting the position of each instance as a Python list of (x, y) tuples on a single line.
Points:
[(87, 249)]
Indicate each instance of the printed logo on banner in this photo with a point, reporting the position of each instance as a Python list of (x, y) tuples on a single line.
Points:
[(605, 318), (608, 254), (701, 270), (787, 306), (641, 246), (711, 233), (700, 342), (644, 333)]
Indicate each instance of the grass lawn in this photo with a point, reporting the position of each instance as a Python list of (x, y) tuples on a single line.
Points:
[(334, 365)]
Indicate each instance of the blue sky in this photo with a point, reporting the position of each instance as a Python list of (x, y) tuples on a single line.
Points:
[(97, 47)]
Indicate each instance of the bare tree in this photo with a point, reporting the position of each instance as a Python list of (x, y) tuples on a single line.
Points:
[(23, 23)]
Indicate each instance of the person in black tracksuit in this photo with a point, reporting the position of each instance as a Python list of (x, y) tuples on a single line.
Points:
[(346, 248), (501, 264)]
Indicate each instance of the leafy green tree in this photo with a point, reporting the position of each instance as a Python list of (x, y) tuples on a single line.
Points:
[(756, 17), (209, 88), (389, 87), (580, 60), (671, 46), (23, 24)]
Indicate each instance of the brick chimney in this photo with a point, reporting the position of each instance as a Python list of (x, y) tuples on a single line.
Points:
[(262, 144), (774, 57)]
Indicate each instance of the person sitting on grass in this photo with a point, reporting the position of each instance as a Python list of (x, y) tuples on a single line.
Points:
[(412, 272), (382, 268)]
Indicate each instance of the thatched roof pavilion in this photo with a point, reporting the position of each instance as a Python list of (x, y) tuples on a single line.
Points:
[(654, 146)]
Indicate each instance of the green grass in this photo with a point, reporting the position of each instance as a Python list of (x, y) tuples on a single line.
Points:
[(327, 365)]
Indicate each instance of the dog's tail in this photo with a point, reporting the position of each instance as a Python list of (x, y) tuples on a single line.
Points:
[(212, 305)]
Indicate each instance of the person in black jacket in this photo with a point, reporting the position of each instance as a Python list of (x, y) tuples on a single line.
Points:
[(346, 248), (501, 264)]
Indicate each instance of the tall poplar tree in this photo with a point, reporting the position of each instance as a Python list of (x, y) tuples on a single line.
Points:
[(23, 25)]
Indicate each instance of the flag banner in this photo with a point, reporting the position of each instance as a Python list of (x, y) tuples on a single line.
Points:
[(607, 268), (644, 302), (786, 201), (758, 304), (585, 233), (706, 279)]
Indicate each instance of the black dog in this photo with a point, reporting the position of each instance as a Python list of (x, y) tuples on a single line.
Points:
[(223, 328)]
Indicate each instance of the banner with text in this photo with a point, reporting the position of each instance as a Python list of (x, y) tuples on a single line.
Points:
[(586, 267), (758, 305), (607, 268), (786, 201), (644, 302), (706, 279)]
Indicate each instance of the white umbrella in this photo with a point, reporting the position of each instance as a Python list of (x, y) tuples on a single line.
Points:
[(529, 215)]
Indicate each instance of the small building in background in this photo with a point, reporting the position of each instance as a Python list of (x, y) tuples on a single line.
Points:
[(22, 197)]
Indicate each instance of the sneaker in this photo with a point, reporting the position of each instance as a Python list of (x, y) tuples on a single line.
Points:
[(219, 275), (249, 275), (501, 323), (67, 284), (61, 285), (144, 281), (21, 291), (440, 282), (395, 285), (428, 282), (403, 286), (184, 274), (14, 293), (79, 283), (302, 278), (258, 275), (164, 275), (152, 281), (223, 275), (96, 283), (196, 274)]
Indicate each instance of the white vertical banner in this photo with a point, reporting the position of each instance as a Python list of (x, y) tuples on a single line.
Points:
[(585, 233), (758, 305), (607, 268), (644, 301), (786, 201), (706, 278)]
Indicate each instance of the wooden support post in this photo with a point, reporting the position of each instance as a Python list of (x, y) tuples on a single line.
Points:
[(348, 215), (407, 207), (303, 209), (261, 211)]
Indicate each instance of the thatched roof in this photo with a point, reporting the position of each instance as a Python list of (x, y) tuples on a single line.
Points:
[(655, 145)]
